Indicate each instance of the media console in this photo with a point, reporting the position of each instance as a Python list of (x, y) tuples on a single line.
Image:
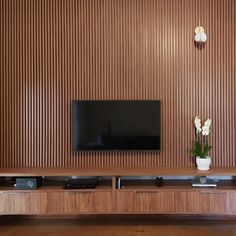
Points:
[(137, 196)]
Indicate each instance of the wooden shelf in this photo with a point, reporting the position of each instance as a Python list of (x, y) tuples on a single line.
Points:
[(109, 171), (55, 188), (50, 186), (134, 185), (149, 185)]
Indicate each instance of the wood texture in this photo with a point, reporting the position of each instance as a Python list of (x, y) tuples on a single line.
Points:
[(24, 203), (56, 202), (121, 171), (124, 201), (116, 226), (54, 51), (154, 201), (214, 201), (170, 199), (77, 202), (103, 202), (203, 201), (231, 199), (187, 201)]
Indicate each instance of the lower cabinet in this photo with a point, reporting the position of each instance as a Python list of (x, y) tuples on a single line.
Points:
[(81, 202), (124, 201), (153, 201), (73, 202), (231, 202), (144, 202), (178, 202), (103, 202), (186, 202), (23, 202), (55, 202), (212, 201), (200, 202), (173, 201)]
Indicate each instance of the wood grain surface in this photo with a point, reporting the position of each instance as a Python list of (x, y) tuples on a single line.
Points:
[(106, 226), (54, 51)]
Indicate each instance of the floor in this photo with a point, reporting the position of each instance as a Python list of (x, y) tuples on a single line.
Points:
[(114, 226)]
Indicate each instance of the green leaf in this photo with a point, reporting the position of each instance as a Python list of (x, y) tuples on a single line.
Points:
[(206, 150), (197, 150), (200, 150)]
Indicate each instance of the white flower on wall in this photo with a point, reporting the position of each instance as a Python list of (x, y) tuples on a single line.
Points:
[(205, 130), (197, 123), (206, 127)]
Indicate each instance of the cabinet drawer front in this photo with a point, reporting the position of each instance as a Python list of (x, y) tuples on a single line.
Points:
[(102, 202), (145, 201), (187, 202), (56, 202), (124, 201), (78, 202), (159, 202), (200, 202), (212, 202), (231, 202), (24, 202)]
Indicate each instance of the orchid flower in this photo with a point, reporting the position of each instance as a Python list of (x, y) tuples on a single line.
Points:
[(201, 146)]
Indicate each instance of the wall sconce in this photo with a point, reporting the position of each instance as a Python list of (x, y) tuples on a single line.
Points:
[(200, 36)]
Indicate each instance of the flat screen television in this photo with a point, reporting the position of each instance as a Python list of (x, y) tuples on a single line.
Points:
[(115, 125)]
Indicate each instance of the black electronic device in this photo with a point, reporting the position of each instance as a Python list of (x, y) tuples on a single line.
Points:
[(159, 181), (26, 183), (204, 182), (83, 183), (116, 125)]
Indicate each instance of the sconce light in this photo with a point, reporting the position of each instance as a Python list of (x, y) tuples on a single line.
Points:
[(200, 36)]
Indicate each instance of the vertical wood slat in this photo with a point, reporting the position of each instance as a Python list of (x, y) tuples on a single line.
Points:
[(54, 51)]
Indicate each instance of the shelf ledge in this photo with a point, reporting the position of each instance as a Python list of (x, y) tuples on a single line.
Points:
[(109, 171)]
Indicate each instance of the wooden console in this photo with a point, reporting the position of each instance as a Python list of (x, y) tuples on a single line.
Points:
[(137, 196)]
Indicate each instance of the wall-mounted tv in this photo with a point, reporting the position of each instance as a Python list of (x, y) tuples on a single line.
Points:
[(115, 125)]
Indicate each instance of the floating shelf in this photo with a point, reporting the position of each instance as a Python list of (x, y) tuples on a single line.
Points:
[(109, 171)]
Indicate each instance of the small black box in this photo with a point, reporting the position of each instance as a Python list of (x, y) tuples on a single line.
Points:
[(26, 183), (83, 183)]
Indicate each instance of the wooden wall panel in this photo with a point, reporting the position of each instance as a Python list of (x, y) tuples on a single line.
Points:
[(53, 51)]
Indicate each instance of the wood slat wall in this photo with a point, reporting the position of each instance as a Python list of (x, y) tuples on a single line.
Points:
[(53, 51)]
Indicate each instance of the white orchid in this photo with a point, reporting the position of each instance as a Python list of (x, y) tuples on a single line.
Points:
[(206, 127), (201, 146), (198, 130), (197, 123), (205, 132), (207, 123)]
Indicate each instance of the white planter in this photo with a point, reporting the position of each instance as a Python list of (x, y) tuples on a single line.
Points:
[(203, 163)]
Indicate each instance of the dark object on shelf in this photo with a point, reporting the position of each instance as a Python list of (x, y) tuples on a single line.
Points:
[(26, 183), (159, 181), (81, 183), (203, 182), (2, 180)]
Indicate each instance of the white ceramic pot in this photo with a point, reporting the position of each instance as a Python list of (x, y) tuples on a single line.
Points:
[(203, 163)]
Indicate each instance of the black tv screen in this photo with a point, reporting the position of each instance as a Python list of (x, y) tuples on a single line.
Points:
[(115, 125)]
